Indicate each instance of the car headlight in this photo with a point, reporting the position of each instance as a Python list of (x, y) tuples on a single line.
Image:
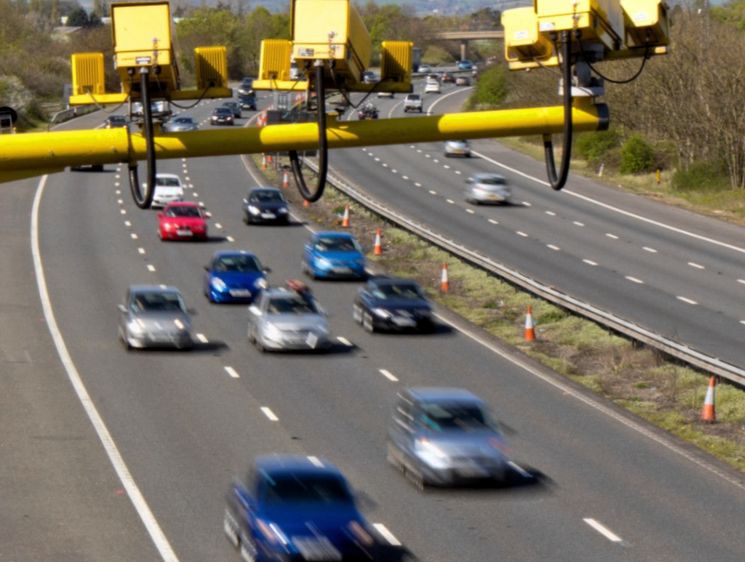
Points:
[(272, 332), (282, 210), (168, 226), (253, 210), (360, 533), (261, 283), (179, 324), (430, 453), (323, 262), (382, 312), (272, 532), (218, 284)]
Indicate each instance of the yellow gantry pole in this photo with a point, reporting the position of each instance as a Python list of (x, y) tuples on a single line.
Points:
[(29, 154)]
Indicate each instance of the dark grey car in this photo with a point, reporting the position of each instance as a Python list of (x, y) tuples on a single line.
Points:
[(155, 316), (441, 436), (235, 107)]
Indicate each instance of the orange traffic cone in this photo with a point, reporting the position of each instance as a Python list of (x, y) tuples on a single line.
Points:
[(306, 203), (377, 247), (269, 160), (708, 413), (285, 180), (345, 218), (444, 283), (529, 334), (263, 161)]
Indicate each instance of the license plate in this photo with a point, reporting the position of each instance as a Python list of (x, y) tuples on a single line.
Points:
[(240, 293), (342, 270), (312, 340), (183, 232), (404, 322), (316, 548), (268, 216)]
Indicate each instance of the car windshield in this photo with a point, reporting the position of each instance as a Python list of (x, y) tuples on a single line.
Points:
[(243, 263), (291, 304), (184, 120), (158, 302), (168, 182), (118, 120), (334, 244), (222, 111), (313, 488), (398, 291), (491, 180), (442, 416), (413, 97), (267, 197), (183, 211)]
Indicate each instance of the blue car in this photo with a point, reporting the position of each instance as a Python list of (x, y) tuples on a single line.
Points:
[(465, 64), (234, 276), (334, 255), (294, 508)]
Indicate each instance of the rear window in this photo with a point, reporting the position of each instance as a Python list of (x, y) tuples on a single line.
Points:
[(413, 97), (167, 182), (313, 488)]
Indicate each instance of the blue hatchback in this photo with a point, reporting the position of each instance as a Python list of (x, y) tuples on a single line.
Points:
[(332, 255), (465, 64), (234, 276), (296, 508)]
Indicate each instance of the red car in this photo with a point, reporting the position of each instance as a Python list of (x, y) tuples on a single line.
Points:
[(182, 221)]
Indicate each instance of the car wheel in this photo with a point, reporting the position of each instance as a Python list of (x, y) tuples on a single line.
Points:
[(230, 527), (245, 550), (367, 322), (415, 478)]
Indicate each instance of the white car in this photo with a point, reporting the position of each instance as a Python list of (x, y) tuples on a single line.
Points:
[(432, 87), (168, 189)]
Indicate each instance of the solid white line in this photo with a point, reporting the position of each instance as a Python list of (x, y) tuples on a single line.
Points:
[(344, 341), (607, 533), (141, 250), (552, 247), (590, 262), (577, 223), (117, 461), (269, 414), (634, 280), (611, 236), (386, 534), (521, 233), (696, 265), (202, 338), (493, 221), (686, 300), (470, 211), (151, 267), (650, 250), (618, 210), (550, 213), (232, 372), (387, 374)]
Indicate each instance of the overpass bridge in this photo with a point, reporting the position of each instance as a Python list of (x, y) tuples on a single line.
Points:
[(464, 36)]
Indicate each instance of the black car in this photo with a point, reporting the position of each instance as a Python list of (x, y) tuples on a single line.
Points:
[(368, 111), (235, 107), (222, 116), (265, 204), (246, 86), (114, 121), (248, 101), (389, 303)]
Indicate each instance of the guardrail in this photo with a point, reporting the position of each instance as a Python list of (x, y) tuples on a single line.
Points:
[(628, 328)]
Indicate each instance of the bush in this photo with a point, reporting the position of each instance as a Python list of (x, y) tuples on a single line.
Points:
[(637, 156), (491, 88), (595, 146), (701, 176)]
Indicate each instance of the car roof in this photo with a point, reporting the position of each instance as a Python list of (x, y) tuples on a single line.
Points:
[(225, 253), (163, 175), (443, 394), (182, 204), (332, 234), (488, 175), (219, 109), (292, 464), (142, 288), (386, 280), (260, 188)]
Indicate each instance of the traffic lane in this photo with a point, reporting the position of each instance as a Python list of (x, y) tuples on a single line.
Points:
[(176, 417), (658, 310), (334, 290)]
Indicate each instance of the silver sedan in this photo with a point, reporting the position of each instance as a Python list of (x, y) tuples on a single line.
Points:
[(284, 319), (488, 188), (155, 316)]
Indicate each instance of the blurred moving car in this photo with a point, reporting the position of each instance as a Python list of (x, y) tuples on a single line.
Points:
[(265, 204), (441, 436), (234, 276), (222, 116), (447, 78), (425, 68), (114, 121), (246, 86), (286, 319), (154, 316), (465, 64), (369, 77), (235, 107), (248, 101), (412, 102), (385, 94), (182, 221), (180, 124), (432, 87), (294, 508), (488, 188), (367, 111), (388, 303), (463, 81), (331, 255), (168, 189), (457, 148)]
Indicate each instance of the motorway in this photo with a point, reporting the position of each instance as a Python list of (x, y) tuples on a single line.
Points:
[(604, 487)]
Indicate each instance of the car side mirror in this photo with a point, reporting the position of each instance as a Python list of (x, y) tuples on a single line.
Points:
[(267, 270), (245, 201), (121, 308), (159, 215), (253, 309), (206, 267)]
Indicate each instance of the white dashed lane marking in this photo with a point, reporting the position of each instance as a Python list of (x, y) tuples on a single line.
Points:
[(141, 250), (553, 247), (127, 224), (151, 268), (269, 414), (450, 201), (386, 534), (550, 213), (611, 236), (650, 250), (521, 233), (577, 223), (686, 300), (634, 280), (607, 533), (232, 372), (470, 211), (344, 341), (134, 235), (590, 262), (696, 265), (202, 338), (230, 239), (493, 221), (387, 374)]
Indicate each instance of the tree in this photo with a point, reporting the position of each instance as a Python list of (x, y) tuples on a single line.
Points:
[(78, 18)]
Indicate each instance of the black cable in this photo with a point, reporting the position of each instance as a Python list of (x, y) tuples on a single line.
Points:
[(143, 201), (557, 182), (297, 171), (625, 81)]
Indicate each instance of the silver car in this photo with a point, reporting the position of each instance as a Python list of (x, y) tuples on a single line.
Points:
[(441, 436), (180, 124), (155, 316), (488, 188), (457, 148), (284, 319)]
